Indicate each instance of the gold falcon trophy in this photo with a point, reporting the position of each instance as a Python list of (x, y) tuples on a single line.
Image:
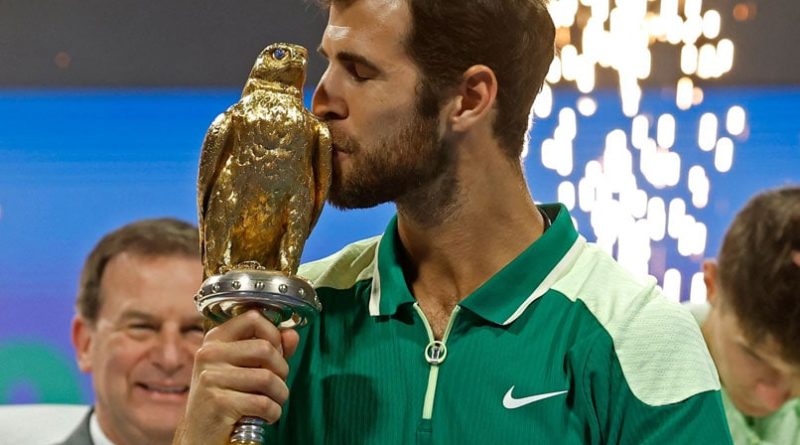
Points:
[(265, 169)]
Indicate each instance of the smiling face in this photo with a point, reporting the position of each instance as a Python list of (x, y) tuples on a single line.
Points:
[(384, 148), (141, 349)]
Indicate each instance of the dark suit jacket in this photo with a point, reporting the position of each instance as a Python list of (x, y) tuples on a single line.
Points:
[(81, 435)]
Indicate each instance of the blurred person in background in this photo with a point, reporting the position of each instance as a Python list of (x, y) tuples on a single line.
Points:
[(136, 331), (752, 320)]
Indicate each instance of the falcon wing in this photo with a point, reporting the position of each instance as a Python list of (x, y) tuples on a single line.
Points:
[(322, 170), (211, 155)]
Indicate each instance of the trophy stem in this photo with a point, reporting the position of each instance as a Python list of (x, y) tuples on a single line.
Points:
[(249, 431)]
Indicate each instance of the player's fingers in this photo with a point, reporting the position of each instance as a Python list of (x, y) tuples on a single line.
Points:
[(251, 353), (289, 338), (250, 324), (255, 381)]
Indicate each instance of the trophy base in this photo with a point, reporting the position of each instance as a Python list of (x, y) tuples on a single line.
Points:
[(288, 302)]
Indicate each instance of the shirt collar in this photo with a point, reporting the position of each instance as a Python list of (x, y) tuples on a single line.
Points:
[(505, 296), (389, 288)]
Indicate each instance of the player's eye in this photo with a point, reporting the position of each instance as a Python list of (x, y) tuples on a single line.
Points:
[(360, 72)]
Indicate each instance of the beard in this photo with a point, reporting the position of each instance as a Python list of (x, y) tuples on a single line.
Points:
[(413, 167)]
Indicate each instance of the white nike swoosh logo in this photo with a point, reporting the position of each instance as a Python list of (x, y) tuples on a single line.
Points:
[(510, 402)]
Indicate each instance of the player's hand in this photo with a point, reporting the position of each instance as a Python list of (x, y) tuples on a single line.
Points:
[(240, 370)]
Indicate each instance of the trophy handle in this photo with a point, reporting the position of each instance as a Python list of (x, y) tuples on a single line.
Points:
[(287, 302), (249, 431)]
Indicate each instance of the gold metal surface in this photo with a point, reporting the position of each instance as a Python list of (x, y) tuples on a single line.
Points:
[(265, 170)]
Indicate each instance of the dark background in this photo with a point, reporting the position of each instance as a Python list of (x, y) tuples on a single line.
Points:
[(212, 43)]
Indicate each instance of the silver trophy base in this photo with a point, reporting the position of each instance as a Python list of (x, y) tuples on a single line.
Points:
[(288, 302)]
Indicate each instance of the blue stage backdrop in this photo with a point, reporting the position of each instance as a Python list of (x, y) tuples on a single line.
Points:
[(77, 164)]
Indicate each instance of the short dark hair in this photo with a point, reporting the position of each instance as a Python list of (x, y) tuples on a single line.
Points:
[(759, 272), (515, 38), (148, 238)]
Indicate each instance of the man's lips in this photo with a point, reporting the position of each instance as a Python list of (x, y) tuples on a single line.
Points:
[(167, 389)]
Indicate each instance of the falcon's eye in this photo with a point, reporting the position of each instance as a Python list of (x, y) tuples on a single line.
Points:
[(278, 53)]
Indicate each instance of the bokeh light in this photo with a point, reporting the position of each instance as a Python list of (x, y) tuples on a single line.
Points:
[(628, 191)]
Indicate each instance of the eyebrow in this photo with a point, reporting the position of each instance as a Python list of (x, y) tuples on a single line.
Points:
[(346, 56), (134, 314)]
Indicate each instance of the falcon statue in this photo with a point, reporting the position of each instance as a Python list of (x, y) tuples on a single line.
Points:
[(265, 170)]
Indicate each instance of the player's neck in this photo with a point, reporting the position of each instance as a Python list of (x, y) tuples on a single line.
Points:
[(492, 219)]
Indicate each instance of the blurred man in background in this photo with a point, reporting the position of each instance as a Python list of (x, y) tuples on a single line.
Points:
[(752, 322), (137, 330)]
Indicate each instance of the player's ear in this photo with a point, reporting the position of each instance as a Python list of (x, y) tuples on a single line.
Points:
[(474, 100)]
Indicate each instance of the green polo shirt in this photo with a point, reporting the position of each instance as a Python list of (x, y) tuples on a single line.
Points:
[(561, 346)]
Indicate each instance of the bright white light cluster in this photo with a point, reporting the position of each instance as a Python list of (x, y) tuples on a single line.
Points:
[(617, 35), (620, 38)]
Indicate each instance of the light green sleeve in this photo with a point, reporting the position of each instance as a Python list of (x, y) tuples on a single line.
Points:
[(622, 418)]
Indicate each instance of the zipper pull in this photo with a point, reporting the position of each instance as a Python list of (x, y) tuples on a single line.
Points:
[(435, 352)]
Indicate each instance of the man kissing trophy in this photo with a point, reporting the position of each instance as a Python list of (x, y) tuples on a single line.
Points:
[(265, 170)]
